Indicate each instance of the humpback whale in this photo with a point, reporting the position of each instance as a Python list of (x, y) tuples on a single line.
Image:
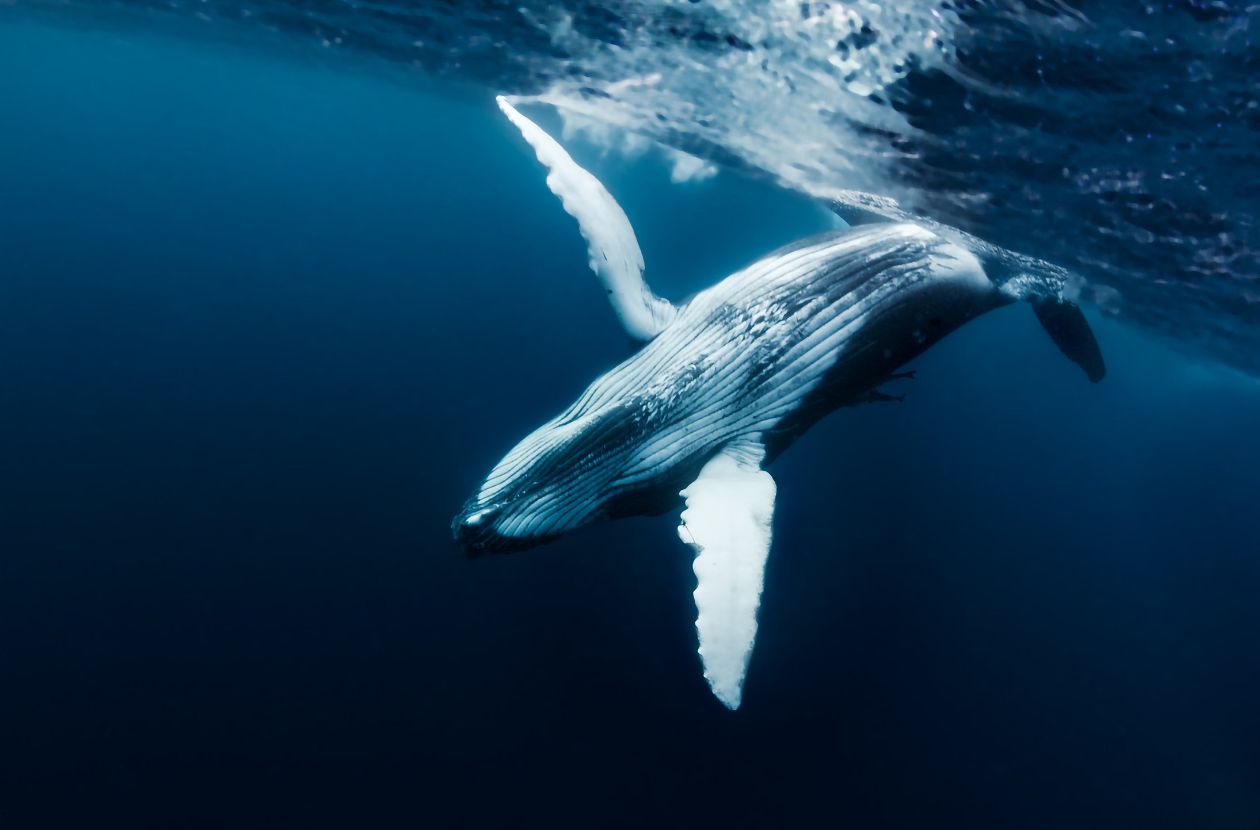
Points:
[(725, 382)]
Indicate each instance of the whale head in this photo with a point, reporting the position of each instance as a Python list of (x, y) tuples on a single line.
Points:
[(554, 481)]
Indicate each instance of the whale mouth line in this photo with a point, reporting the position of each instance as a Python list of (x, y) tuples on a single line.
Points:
[(494, 544)]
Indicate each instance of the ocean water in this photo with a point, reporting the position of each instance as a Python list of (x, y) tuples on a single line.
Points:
[(267, 316)]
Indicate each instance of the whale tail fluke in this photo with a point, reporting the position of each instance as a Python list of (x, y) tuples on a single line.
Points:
[(1070, 331), (1018, 277)]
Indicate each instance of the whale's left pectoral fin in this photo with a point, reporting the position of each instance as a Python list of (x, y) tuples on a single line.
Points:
[(610, 241), (727, 521)]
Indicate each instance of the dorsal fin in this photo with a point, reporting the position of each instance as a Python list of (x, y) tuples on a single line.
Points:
[(614, 252), (858, 208), (1001, 265)]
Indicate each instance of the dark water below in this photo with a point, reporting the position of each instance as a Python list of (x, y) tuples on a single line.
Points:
[(263, 327)]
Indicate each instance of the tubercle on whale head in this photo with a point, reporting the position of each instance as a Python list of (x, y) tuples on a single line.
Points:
[(528, 500)]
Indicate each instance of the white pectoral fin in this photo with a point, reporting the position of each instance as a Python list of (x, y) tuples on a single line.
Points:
[(727, 520), (613, 249)]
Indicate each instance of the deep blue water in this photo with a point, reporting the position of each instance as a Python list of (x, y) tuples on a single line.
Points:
[(264, 326)]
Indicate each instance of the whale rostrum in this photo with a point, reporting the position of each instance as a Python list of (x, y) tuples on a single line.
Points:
[(725, 382)]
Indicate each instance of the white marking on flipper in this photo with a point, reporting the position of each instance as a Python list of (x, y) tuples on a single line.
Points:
[(611, 245), (730, 507)]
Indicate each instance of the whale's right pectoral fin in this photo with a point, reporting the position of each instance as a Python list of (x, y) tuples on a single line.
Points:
[(613, 249), (1070, 331), (728, 522)]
